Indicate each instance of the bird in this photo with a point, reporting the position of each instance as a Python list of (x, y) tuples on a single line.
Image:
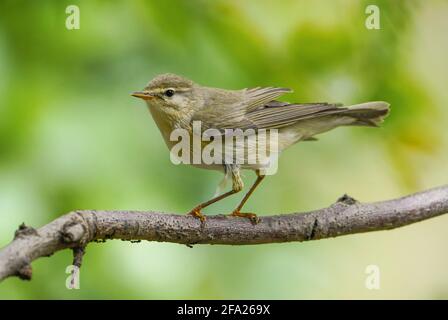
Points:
[(178, 103)]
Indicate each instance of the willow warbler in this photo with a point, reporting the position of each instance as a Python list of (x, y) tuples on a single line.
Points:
[(177, 103)]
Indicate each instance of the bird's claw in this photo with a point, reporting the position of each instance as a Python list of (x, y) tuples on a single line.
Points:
[(251, 216), (196, 212)]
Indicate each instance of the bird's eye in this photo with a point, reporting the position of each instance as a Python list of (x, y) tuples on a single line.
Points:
[(169, 92)]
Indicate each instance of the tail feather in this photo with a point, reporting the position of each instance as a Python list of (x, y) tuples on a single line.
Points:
[(370, 114)]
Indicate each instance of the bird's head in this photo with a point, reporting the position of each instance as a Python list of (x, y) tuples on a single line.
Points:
[(169, 92)]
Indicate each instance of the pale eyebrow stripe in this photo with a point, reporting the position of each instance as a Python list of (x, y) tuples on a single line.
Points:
[(175, 90)]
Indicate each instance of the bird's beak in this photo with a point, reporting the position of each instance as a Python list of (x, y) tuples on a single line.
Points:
[(145, 95)]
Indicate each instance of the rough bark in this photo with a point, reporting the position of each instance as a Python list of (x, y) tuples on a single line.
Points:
[(347, 216)]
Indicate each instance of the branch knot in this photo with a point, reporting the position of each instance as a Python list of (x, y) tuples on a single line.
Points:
[(346, 199), (76, 230), (24, 231)]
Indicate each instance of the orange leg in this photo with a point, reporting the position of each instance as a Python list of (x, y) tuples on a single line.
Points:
[(251, 216), (196, 212)]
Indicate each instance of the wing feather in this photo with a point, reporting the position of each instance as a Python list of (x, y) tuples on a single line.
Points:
[(278, 117), (257, 108), (259, 97), (232, 108)]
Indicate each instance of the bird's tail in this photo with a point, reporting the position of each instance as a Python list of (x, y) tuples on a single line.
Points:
[(369, 114)]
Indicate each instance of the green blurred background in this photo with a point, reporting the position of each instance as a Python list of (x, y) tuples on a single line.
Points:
[(71, 137)]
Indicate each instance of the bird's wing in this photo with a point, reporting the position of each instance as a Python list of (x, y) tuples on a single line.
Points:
[(277, 114), (258, 97), (257, 109), (231, 112)]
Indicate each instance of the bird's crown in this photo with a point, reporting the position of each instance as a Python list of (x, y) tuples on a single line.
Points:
[(169, 80)]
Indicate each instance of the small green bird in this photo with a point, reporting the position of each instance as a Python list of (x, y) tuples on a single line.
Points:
[(177, 103)]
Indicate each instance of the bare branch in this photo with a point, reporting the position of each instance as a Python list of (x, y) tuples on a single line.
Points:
[(347, 216)]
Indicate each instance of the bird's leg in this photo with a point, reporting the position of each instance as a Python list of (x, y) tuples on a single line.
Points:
[(237, 186), (251, 216), (196, 212)]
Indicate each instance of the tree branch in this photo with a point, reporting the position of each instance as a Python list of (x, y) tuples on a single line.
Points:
[(347, 216)]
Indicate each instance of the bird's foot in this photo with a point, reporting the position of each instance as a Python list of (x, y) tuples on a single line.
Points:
[(196, 212), (251, 216)]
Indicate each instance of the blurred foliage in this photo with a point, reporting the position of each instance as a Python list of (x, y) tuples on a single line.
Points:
[(71, 137)]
